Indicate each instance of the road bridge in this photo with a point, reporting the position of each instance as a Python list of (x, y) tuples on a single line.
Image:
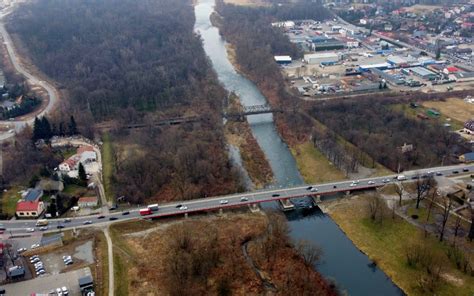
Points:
[(251, 110), (16, 227)]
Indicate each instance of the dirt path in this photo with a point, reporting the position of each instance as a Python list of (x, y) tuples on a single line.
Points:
[(111, 260)]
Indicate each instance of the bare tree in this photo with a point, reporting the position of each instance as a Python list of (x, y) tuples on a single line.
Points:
[(399, 190), (376, 207), (423, 185), (456, 227), (310, 252), (447, 205)]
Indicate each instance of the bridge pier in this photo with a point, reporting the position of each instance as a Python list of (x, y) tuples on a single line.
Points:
[(254, 208), (286, 205), (185, 215), (221, 211), (348, 192), (317, 198)]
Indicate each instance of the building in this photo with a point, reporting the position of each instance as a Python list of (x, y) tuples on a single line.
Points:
[(397, 61), (16, 272), (318, 58), (469, 127), (450, 70), (88, 157), (33, 195), (29, 209), (464, 76), (87, 202), (69, 164), (467, 158), (283, 60), (423, 73)]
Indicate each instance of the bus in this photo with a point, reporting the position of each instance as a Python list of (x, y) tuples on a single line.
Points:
[(144, 212), (153, 207)]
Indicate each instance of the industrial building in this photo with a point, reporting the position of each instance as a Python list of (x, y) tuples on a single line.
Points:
[(283, 60), (321, 58), (423, 73)]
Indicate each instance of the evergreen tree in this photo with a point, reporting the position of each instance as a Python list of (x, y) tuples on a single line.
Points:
[(82, 173), (37, 130), (72, 126), (46, 128), (61, 131)]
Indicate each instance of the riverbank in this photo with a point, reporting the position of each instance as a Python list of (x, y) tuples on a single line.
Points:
[(239, 134), (388, 243), (204, 255)]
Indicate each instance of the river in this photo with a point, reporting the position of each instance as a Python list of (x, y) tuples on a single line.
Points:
[(342, 261)]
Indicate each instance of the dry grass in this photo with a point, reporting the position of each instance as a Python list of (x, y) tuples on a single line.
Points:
[(419, 8), (314, 166), (247, 2), (454, 108)]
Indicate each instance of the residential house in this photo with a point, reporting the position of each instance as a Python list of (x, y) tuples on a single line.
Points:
[(87, 202), (69, 164), (29, 209), (33, 195)]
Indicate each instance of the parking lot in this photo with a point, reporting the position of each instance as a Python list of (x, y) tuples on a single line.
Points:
[(49, 282)]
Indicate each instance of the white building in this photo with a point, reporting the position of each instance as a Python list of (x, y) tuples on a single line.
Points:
[(318, 58)]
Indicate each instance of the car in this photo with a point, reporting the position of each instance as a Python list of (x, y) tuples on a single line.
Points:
[(465, 170), (179, 206), (334, 186), (39, 265), (87, 222), (101, 217), (112, 218), (67, 257), (114, 207), (371, 182), (21, 250), (386, 180), (456, 172), (314, 189), (30, 229), (34, 257), (415, 177), (244, 198), (60, 226), (35, 260), (43, 228), (38, 268), (59, 292), (67, 220), (34, 246), (125, 213), (68, 262), (224, 201), (424, 176), (65, 291), (439, 173), (183, 208), (275, 195), (41, 271), (309, 187)]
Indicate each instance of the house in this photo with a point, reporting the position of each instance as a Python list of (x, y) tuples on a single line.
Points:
[(469, 127), (87, 202), (33, 195), (84, 148), (88, 157), (69, 164), (29, 209), (467, 157)]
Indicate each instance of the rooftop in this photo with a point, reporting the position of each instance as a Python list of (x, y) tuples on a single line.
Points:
[(33, 195), (27, 206)]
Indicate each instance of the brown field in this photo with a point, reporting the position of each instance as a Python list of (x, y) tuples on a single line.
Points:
[(419, 8), (455, 108)]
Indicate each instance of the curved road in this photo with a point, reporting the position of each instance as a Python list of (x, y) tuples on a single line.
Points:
[(32, 80)]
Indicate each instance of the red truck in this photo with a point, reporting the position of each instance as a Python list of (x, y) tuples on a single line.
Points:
[(144, 212)]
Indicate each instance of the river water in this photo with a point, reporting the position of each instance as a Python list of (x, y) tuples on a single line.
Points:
[(342, 261)]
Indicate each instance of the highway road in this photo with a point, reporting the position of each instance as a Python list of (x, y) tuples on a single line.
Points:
[(32, 80), (16, 227)]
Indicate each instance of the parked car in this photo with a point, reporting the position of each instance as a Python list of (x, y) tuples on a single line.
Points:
[(34, 257), (65, 291), (439, 174), (34, 260), (34, 246), (68, 262), (21, 250)]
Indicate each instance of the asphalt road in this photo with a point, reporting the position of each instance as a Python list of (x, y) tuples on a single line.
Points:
[(32, 80), (234, 200)]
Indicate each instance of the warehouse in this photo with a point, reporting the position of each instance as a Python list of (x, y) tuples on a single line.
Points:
[(318, 58), (423, 73)]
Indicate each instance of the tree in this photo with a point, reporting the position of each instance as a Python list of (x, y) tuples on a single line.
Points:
[(376, 207), (72, 126), (399, 190), (423, 185), (310, 253), (447, 204), (471, 229), (82, 174)]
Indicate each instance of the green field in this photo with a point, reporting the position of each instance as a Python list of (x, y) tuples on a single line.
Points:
[(386, 243), (9, 200), (108, 166)]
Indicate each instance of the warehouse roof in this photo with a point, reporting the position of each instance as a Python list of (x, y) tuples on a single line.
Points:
[(321, 55), (422, 71)]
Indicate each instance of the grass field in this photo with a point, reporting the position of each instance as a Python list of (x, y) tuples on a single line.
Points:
[(386, 244), (10, 199), (442, 119), (314, 166), (454, 108), (107, 166)]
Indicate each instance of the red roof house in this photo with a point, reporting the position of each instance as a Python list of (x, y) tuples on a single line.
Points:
[(29, 209)]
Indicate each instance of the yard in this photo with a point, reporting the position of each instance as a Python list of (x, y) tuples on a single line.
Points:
[(442, 119), (10, 199), (386, 244)]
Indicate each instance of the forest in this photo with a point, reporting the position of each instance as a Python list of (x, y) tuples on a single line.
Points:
[(380, 131), (132, 61)]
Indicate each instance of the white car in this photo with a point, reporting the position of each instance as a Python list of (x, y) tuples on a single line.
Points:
[(371, 182), (30, 230), (34, 246), (65, 291), (59, 292), (314, 189), (353, 185), (183, 208), (43, 228), (224, 201)]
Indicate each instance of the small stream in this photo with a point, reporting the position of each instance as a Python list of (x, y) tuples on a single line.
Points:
[(342, 261)]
